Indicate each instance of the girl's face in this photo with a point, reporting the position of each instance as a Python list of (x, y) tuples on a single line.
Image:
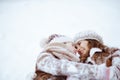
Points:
[(82, 47)]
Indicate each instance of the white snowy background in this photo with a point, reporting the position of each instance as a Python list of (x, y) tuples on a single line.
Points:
[(24, 23)]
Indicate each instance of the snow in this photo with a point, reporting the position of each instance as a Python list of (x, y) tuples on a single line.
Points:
[(24, 23)]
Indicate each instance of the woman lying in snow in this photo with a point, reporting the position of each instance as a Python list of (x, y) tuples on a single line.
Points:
[(54, 65), (92, 50)]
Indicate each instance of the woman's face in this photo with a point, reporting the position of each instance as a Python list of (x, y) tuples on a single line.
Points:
[(82, 47)]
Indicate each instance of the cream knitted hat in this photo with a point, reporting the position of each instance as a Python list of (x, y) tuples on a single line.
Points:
[(55, 38), (87, 35)]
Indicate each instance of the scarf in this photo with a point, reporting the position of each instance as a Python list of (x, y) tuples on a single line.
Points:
[(61, 51)]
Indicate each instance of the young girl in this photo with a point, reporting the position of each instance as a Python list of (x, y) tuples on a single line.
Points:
[(90, 44), (92, 50)]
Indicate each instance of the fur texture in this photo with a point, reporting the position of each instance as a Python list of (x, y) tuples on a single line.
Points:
[(100, 57)]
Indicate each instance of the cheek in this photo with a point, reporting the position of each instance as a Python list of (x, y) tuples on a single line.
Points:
[(87, 52)]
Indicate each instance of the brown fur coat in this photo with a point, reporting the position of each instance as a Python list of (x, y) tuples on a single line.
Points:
[(104, 57)]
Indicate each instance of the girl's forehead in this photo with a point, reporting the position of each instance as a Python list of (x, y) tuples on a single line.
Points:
[(81, 41)]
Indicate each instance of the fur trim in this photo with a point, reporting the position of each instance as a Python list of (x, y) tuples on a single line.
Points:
[(87, 35), (92, 52)]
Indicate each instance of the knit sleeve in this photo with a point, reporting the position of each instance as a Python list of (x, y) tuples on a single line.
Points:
[(115, 68), (116, 58), (50, 64)]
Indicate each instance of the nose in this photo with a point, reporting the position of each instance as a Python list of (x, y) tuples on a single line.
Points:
[(80, 50)]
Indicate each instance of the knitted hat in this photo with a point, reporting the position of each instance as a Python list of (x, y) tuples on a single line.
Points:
[(55, 38), (87, 35)]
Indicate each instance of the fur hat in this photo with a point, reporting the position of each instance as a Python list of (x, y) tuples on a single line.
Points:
[(87, 35), (55, 38)]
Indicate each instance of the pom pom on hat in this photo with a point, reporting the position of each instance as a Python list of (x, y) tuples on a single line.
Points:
[(55, 38), (87, 35)]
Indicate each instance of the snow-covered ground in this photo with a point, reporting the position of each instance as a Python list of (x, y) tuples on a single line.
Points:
[(24, 23)]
